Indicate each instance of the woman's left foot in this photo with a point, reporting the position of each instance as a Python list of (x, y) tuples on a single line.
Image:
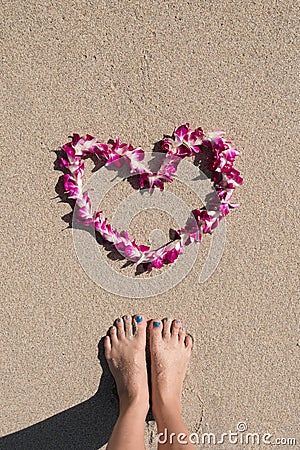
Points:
[(125, 353)]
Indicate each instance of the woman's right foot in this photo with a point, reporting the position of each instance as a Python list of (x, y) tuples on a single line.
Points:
[(170, 352)]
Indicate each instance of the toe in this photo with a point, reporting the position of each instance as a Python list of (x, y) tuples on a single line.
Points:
[(167, 327), (120, 328), (113, 335), (176, 324), (188, 341), (182, 335), (107, 347), (128, 325), (140, 325), (155, 330)]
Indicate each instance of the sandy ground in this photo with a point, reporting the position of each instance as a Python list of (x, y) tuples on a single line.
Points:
[(137, 70)]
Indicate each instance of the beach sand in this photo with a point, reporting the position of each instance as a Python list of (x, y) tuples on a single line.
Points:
[(137, 70)]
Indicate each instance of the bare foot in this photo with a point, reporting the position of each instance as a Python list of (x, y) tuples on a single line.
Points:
[(170, 351), (125, 354)]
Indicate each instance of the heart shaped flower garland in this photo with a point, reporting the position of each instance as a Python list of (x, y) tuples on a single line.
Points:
[(184, 142)]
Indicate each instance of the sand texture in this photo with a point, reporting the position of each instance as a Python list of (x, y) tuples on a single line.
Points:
[(137, 69)]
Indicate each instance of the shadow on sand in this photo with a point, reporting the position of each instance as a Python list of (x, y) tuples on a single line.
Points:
[(86, 426)]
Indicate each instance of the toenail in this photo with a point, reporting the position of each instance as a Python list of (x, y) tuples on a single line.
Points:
[(177, 321), (139, 319), (167, 318), (156, 324), (183, 329), (119, 320), (127, 317)]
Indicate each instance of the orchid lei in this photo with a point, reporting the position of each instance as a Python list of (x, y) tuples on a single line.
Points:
[(184, 143)]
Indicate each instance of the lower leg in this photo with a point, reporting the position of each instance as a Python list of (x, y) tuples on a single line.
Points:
[(172, 431), (128, 432)]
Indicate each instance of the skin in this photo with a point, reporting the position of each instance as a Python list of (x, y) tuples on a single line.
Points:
[(170, 351)]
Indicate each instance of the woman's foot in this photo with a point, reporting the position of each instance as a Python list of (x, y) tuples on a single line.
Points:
[(125, 354), (170, 351)]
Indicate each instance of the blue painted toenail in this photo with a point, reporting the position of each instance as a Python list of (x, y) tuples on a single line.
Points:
[(127, 317), (119, 320), (177, 321), (156, 324), (139, 319)]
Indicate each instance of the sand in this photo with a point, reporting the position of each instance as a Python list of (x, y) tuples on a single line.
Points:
[(137, 70)]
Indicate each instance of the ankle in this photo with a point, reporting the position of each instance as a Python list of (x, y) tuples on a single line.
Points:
[(136, 405), (165, 408)]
